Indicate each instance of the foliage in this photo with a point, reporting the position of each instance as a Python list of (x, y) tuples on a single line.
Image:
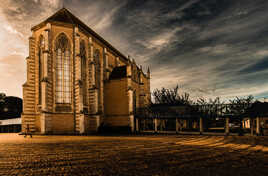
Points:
[(239, 106), (211, 107), (171, 96), (2, 97), (10, 107)]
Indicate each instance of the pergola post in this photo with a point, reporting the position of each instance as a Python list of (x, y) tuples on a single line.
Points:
[(251, 126), (201, 130), (227, 129), (258, 126), (177, 125), (155, 125)]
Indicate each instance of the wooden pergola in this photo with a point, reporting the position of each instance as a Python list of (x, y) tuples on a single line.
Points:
[(200, 113)]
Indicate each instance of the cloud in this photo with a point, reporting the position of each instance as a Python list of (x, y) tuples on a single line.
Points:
[(11, 39), (22, 15), (12, 31), (218, 49), (106, 20), (161, 40), (262, 53), (212, 48), (256, 67), (13, 74)]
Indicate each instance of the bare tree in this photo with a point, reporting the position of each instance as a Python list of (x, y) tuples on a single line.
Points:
[(239, 108), (171, 96), (209, 109)]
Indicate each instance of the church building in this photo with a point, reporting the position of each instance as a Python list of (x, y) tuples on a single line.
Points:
[(77, 81)]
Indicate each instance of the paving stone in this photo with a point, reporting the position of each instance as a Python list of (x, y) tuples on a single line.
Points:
[(133, 155)]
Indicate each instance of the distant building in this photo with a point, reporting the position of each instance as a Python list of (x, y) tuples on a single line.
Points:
[(10, 114), (77, 81)]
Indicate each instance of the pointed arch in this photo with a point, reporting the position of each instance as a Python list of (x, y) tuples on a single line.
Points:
[(63, 69), (62, 42)]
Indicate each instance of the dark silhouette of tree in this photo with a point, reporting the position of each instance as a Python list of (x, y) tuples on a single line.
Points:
[(2, 97), (10, 107), (239, 108), (209, 109), (171, 96), (171, 103)]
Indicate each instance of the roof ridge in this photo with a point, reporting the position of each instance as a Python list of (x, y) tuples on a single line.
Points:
[(65, 16), (68, 14)]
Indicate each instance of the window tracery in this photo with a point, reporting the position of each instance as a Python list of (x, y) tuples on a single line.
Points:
[(83, 69), (41, 46), (96, 57), (63, 76)]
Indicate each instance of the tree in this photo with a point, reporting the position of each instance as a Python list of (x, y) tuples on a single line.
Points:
[(10, 107), (171, 96), (2, 97), (209, 109), (239, 108)]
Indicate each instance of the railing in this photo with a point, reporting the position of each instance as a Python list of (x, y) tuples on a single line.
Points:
[(196, 118)]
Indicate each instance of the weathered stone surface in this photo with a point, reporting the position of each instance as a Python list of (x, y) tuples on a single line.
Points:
[(93, 94)]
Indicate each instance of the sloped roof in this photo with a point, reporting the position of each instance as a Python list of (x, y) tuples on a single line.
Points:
[(259, 109), (65, 16), (119, 72)]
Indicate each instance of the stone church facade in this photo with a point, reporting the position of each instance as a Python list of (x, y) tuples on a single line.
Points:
[(77, 81)]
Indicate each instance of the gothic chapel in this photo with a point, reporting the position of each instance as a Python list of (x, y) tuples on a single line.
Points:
[(77, 81)]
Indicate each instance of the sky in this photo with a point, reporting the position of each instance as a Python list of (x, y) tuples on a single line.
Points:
[(209, 48)]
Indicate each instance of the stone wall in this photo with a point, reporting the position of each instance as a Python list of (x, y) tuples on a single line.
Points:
[(104, 101)]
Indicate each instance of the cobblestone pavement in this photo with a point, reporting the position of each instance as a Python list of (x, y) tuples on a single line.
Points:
[(133, 155)]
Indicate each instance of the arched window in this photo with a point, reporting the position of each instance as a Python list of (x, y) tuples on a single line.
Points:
[(134, 101), (41, 46), (63, 76), (96, 57), (83, 69)]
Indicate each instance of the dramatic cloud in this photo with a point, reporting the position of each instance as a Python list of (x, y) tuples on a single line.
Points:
[(13, 74), (210, 47)]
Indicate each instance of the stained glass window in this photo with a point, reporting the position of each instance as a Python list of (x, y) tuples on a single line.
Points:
[(63, 77), (83, 70), (41, 64), (96, 57)]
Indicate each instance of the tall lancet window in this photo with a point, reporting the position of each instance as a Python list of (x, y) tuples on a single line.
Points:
[(134, 102), (63, 76), (83, 69), (41, 64), (96, 57)]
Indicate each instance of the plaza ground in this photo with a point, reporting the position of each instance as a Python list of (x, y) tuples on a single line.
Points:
[(133, 155)]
